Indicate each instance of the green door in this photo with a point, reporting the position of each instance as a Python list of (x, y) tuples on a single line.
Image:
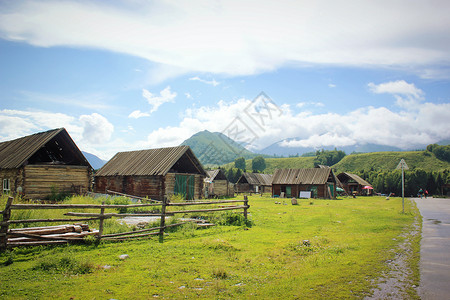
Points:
[(184, 185), (288, 191), (331, 186), (313, 191)]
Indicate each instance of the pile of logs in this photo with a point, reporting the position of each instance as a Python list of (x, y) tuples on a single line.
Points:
[(59, 234)]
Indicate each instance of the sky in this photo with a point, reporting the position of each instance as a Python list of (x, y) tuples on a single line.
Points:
[(131, 75)]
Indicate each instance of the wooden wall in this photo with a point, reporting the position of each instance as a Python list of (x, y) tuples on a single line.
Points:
[(39, 180), (16, 180), (142, 186)]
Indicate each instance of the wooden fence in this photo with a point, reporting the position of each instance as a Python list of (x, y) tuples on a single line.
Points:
[(38, 239)]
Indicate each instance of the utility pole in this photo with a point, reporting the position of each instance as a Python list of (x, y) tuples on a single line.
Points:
[(402, 165)]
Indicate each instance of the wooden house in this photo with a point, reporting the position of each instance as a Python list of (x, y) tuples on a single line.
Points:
[(314, 183), (38, 165), (217, 185), (254, 183), (155, 173), (353, 184)]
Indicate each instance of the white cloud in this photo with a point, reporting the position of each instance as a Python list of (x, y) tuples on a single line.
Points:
[(405, 129), (237, 38), (138, 114), (399, 87), (96, 128), (188, 95), (331, 85), (166, 95), (210, 82), (408, 96)]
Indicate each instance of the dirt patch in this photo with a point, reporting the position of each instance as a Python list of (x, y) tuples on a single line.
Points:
[(396, 283)]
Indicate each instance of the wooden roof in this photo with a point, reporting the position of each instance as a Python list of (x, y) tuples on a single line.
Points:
[(256, 178), (153, 162), (342, 176), (302, 176), (53, 146), (215, 174)]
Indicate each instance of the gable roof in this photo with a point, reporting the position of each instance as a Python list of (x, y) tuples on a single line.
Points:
[(215, 174), (150, 162), (16, 153), (355, 177), (302, 176), (256, 178)]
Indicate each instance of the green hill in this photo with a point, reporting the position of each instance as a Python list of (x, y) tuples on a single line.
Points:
[(386, 161), (215, 148), (280, 163), (378, 161)]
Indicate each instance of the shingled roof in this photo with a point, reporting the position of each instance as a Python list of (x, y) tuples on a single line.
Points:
[(215, 174), (257, 178), (301, 176), (18, 152), (151, 162), (355, 177)]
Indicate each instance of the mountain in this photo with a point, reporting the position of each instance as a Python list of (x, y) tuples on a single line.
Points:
[(215, 148), (95, 161), (278, 149)]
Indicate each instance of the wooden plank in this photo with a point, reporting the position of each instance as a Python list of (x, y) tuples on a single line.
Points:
[(204, 203), (50, 220), (209, 210), (109, 215), (68, 206)]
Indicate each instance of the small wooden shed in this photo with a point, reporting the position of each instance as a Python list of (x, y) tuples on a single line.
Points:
[(352, 183), (48, 162), (155, 173), (217, 185), (254, 183), (317, 182)]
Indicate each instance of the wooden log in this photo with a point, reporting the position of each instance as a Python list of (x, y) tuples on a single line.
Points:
[(49, 230), (70, 206), (5, 224), (131, 236), (209, 210), (109, 215), (22, 237), (100, 229), (204, 203), (163, 221), (40, 243), (49, 220), (131, 196), (143, 230)]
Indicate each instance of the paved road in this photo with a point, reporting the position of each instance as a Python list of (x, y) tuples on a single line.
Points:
[(435, 248)]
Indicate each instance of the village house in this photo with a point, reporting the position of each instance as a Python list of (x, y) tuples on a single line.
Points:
[(155, 173), (38, 165), (254, 183), (313, 183), (217, 185), (353, 184)]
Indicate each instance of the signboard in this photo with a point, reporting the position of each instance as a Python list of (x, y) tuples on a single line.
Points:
[(402, 165), (305, 194)]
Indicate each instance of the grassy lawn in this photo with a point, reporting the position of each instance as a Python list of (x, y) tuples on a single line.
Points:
[(349, 242)]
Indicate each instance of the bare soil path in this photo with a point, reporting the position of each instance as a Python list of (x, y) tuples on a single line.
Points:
[(434, 248)]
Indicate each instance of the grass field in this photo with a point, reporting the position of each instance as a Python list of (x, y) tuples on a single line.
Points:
[(350, 241)]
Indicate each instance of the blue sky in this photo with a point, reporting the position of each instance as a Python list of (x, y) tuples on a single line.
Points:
[(128, 75)]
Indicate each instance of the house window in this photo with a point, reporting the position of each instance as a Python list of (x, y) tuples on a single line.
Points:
[(6, 186)]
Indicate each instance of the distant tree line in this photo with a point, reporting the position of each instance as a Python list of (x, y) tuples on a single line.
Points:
[(386, 182), (441, 152), (328, 157)]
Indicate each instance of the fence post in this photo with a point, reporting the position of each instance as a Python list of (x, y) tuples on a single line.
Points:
[(100, 227), (245, 206), (162, 224), (5, 225)]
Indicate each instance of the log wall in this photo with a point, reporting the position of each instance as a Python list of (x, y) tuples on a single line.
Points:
[(142, 186), (39, 180)]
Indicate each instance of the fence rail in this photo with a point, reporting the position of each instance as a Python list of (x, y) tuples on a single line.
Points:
[(14, 237)]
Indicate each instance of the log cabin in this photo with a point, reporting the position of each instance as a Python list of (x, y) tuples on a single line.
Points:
[(42, 164), (153, 173), (317, 182), (217, 185), (254, 183), (353, 184)]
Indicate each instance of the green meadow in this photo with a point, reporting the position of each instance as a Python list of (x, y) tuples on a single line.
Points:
[(315, 250)]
